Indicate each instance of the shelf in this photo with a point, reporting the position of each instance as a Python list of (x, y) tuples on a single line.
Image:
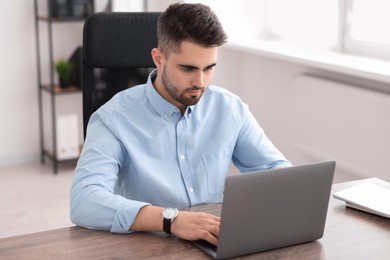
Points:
[(61, 19), (51, 156), (47, 15), (58, 90)]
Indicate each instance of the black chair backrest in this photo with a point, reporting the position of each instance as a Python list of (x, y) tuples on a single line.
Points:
[(115, 41)]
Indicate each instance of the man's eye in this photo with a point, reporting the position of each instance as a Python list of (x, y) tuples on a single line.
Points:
[(186, 69)]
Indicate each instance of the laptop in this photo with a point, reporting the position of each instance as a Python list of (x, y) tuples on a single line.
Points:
[(272, 209)]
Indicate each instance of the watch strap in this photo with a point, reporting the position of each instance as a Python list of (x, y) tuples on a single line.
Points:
[(167, 225)]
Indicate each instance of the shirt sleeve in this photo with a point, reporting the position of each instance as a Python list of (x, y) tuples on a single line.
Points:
[(93, 203), (253, 150)]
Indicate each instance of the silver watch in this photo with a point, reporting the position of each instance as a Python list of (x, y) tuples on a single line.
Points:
[(168, 216)]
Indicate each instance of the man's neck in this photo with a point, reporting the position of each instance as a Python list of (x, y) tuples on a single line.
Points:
[(158, 86)]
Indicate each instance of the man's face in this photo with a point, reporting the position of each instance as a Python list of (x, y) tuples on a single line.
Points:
[(185, 76)]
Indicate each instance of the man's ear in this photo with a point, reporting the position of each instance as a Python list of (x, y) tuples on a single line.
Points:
[(158, 57)]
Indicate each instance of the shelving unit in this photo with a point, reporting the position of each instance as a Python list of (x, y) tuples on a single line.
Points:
[(50, 87)]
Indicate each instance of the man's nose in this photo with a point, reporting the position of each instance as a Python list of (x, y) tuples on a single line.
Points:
[(198, 79)]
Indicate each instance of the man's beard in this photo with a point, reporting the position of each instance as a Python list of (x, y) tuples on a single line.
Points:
[(179, 95)]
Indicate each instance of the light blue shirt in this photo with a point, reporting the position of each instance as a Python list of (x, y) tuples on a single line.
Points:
[(140, 150)]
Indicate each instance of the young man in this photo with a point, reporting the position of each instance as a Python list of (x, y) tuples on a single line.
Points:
[(169, 143)]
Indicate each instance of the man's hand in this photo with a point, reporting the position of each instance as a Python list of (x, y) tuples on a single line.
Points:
[(196, 225), (187, 225)]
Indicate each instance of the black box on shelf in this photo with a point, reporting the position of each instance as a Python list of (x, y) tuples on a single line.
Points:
[(70, 8)]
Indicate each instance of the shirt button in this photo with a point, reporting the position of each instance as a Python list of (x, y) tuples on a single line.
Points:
[(191, 190), (182, 157)]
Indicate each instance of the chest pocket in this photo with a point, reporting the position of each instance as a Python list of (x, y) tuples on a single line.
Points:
[(217, 166)]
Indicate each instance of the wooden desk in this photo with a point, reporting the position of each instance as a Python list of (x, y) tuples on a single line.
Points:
[(349, 234)]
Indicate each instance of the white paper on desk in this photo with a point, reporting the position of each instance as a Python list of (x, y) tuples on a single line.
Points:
[(369, 196)]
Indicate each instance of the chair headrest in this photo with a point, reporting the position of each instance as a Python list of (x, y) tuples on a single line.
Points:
[(120, 40)]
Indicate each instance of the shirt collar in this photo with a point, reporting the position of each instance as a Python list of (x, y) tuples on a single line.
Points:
[(163, 107)]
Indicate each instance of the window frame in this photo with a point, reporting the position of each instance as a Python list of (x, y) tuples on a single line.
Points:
[(352, 46)]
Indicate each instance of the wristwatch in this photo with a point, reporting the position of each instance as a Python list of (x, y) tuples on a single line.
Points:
[(168, 216)]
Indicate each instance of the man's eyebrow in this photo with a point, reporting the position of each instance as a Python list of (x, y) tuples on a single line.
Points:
[(186, 66), (211, 65)]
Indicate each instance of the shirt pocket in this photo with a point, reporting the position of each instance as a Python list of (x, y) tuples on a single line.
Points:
[(217, 166)]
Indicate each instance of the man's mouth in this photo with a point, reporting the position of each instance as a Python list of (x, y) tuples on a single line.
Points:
[(195, 91)]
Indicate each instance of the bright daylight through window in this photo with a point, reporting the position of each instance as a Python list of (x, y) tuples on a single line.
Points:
[(352, 26), (366, 28)]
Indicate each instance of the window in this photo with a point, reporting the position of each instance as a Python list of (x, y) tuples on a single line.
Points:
[(240, 19), (120, 5), (351, 26), (366, 25), (305, 22), (300, 21)]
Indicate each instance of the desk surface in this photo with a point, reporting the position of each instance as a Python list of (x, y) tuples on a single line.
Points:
[(349, 234)]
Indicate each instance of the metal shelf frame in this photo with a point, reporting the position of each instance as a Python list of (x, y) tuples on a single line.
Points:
[(51, 87)]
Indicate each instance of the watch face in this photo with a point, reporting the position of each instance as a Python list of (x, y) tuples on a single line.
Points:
[(169, 213)]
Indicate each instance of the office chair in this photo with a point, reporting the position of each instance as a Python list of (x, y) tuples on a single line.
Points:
[(116, 42)]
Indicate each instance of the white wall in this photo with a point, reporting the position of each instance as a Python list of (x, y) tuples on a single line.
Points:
[(18, 83), (267, 86)]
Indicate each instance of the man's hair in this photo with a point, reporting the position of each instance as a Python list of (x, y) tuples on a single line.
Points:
[(196, 23)]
